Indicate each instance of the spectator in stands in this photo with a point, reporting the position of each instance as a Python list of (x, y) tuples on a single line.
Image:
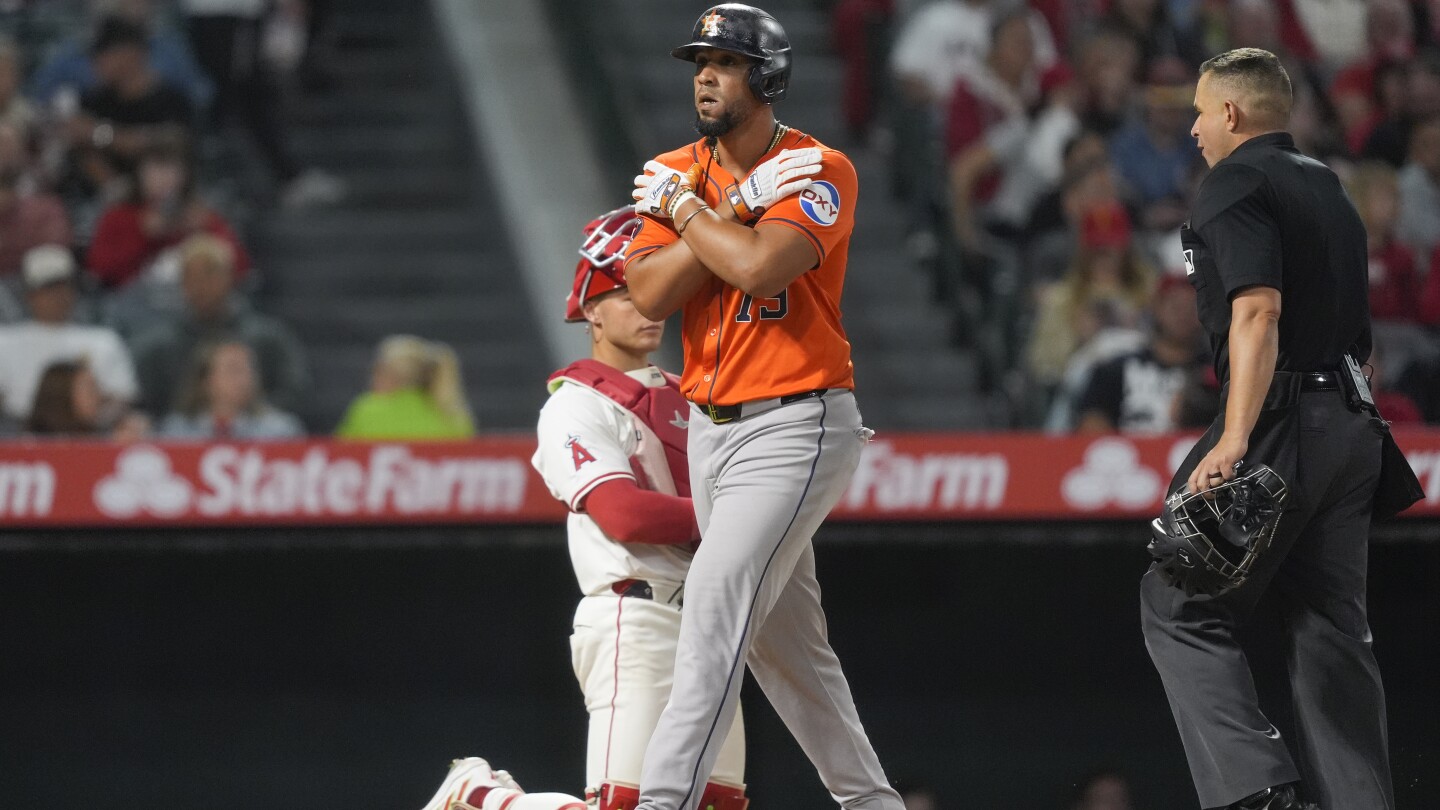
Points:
[(1395, 406), (225, 35), (128, 109), (1148, 24), (1329, 33), (1154, 153), (68, 403), (1102, 790), (1106, 289), (937, 44), (989, 122), (1089, 181), (1369, 89), (164, 209), (1135, 392), (415, 393), (221, 399), (1198, 401), (214, 313), (1107, 65), (1419, 224), (26, 220), (29, 347), (1387, 131), (67, 72), (1394, 284), (14, 108)]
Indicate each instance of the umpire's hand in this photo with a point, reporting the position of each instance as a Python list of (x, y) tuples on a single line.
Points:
[(1218, 465)]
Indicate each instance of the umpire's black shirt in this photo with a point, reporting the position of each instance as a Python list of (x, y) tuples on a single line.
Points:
[(1268, 215)]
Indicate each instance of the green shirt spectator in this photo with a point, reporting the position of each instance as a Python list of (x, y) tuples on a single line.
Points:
[(408, 413), (415, 393)]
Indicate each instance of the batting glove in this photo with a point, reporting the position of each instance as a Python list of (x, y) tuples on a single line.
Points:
[(773, 180), (661, 189)]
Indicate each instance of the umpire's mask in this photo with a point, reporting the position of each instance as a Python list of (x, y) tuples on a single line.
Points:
[(1208, 542)]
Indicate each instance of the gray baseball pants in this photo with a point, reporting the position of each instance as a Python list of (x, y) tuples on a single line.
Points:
[(762, 485)]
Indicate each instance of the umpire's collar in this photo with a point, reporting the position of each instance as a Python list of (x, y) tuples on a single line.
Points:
[(1279, 140)]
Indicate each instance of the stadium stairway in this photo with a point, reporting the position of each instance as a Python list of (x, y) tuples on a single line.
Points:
[(908, 375), (417, 246)]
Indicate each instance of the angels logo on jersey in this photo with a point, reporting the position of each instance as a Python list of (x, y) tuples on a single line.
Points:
[(821, 202), (578, 453)]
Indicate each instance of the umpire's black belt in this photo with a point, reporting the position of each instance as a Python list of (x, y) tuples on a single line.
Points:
[(720, 414), (1286, 387), (1319, 381)]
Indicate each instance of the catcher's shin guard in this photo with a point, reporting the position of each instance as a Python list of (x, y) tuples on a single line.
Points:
[(614, 796), (620, 796), (723, 797)]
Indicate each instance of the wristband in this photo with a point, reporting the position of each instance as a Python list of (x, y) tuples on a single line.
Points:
[(738, 205), (673, 204), (680, 226)]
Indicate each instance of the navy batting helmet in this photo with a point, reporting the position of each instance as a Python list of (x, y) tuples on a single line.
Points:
[(748, 31), (1207, 542)]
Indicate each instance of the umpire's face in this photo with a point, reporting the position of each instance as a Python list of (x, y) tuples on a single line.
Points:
[(1214, 122)]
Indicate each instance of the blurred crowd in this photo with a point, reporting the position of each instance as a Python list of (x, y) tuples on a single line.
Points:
[(138, 141), (1042, 152)]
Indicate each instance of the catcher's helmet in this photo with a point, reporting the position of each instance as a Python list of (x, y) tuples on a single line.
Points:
[(751, 32), (1208, 542), (602, 259)]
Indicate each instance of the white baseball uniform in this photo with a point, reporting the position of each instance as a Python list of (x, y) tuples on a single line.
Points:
[(623, 647)]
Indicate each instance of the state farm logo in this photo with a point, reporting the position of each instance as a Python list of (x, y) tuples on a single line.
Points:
[(27, 489), (1111, 473), (891, 481), (245, 481), (143, 482), (1426, 465)]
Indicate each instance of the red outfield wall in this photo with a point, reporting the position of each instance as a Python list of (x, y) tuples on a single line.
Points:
[(902, 477)]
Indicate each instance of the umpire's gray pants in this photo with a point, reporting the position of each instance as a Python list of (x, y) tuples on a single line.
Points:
[(761, 486), (1317, 566)]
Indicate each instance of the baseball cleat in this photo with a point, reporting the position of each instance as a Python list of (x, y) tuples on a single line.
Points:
[(1280, 797), (465, 786)]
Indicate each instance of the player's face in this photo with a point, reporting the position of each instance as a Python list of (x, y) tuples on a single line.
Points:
[(616, 321), (1210, 129), (722, 93)]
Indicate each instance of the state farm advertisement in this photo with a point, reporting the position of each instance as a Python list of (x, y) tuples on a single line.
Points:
[(292, 483), (901, 477)]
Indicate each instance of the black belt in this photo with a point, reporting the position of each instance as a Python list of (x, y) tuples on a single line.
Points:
[(720, 414), (634, 588), (1319, 381), (640, 589)]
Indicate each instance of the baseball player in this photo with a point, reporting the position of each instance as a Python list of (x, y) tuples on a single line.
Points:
[(747, 230), (473, 785), (612, 448)]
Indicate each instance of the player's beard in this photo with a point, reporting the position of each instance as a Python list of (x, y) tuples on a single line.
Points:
[(726, 123), (717, 127)]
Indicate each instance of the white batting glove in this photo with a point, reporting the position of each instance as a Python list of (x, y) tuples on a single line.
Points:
[(661, 189), (772, 181)]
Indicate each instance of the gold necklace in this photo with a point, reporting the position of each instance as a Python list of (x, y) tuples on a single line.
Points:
[(780, 130)]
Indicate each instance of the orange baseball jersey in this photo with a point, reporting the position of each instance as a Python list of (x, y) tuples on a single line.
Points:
[(739, 349)]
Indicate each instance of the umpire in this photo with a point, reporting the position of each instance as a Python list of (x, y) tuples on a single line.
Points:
[(1277, 255)]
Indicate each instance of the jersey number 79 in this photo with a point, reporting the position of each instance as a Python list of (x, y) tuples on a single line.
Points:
[(767, 313)]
